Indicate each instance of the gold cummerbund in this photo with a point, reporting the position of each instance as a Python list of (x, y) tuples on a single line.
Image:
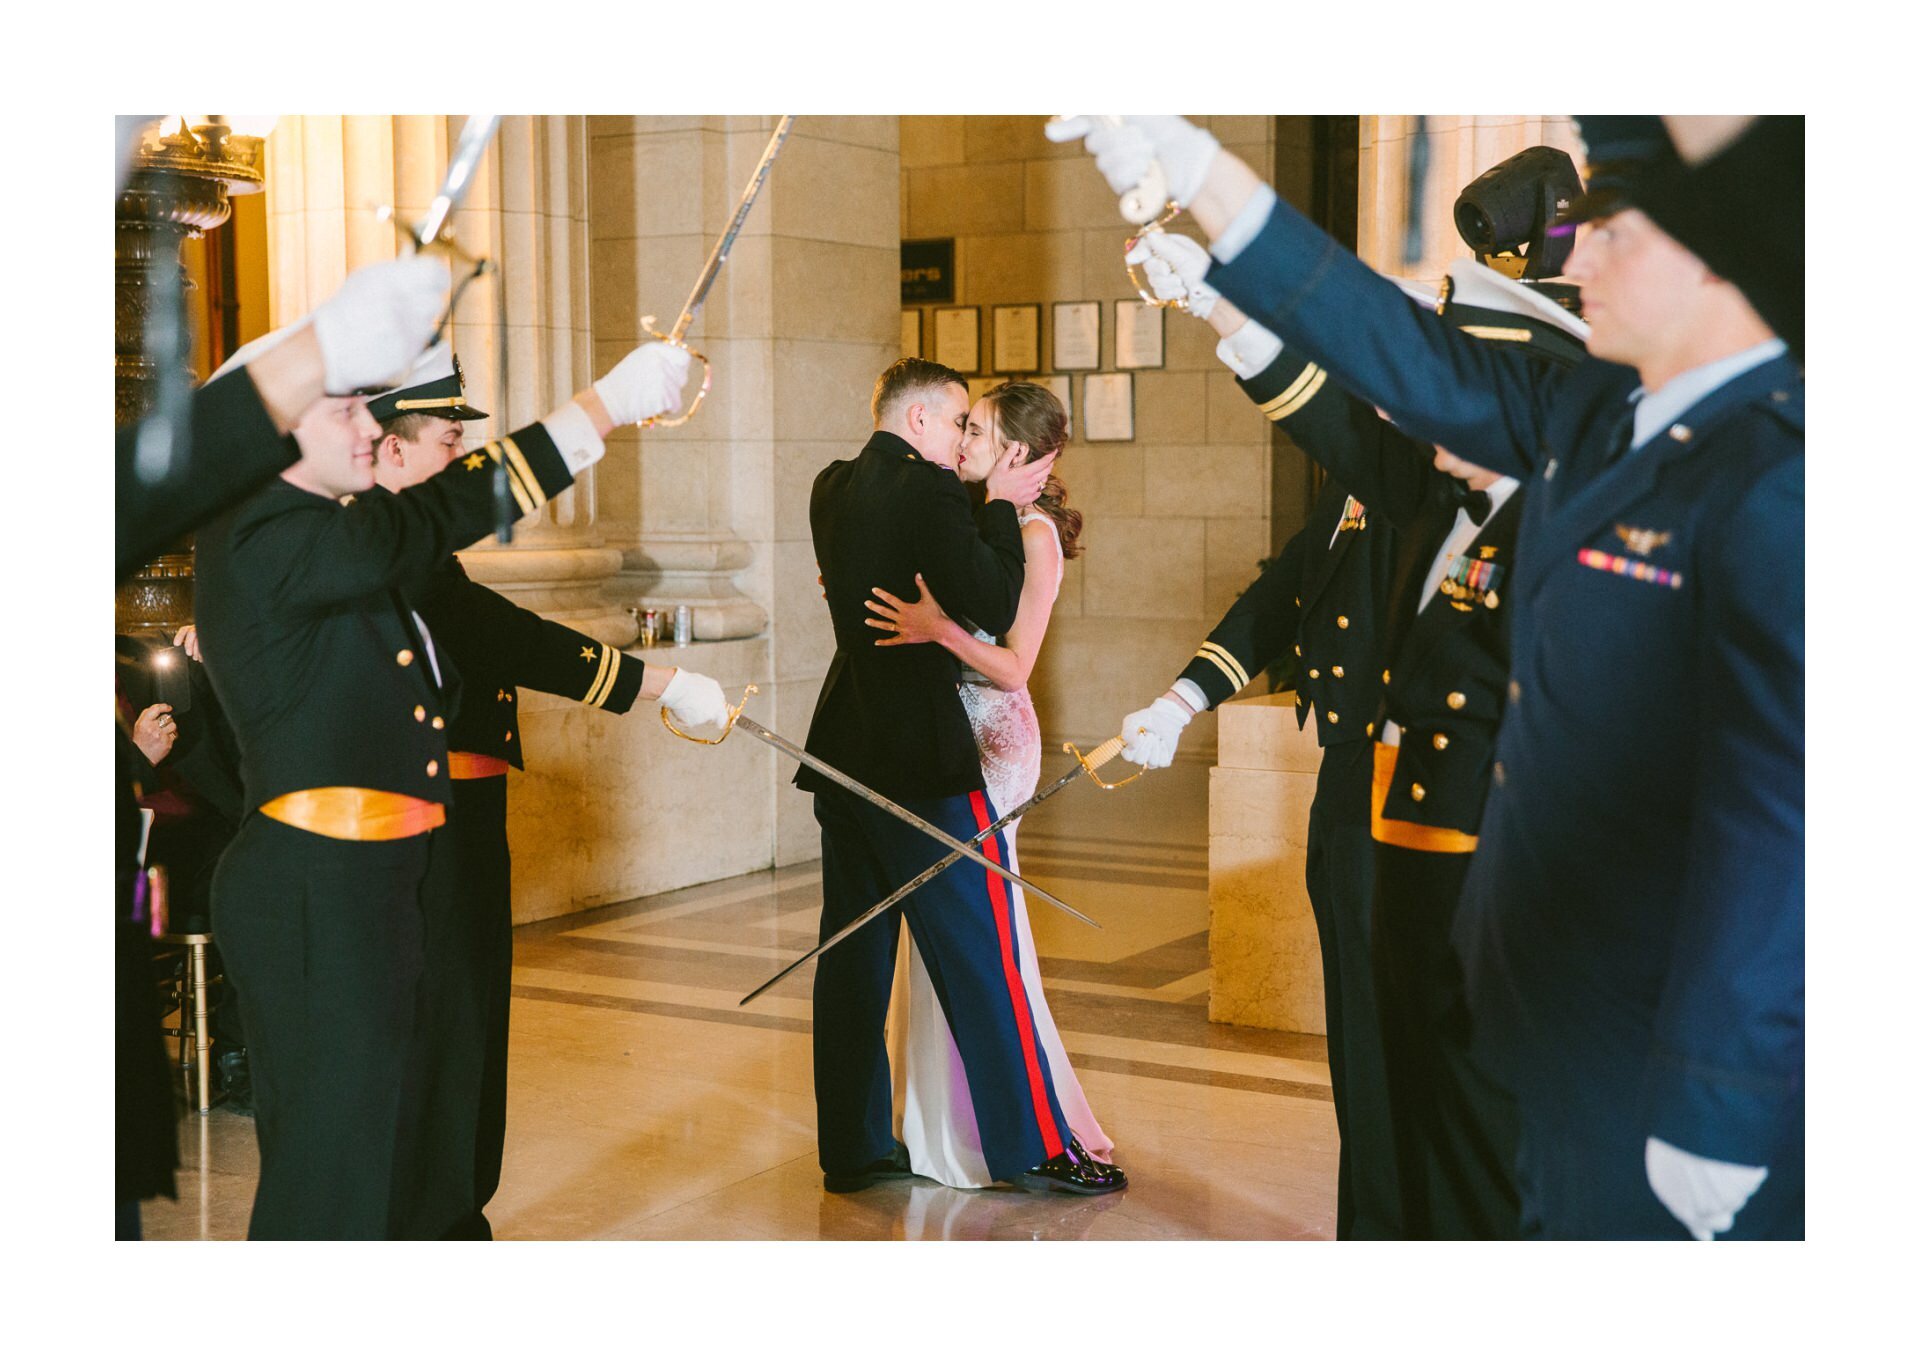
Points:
[(356, 813), (1405, 833), (471, 767)]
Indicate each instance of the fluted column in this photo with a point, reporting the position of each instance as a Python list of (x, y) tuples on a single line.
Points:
[(527, 212), (1460, 149), (668, 187)]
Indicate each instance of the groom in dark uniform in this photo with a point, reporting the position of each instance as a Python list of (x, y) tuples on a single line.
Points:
[(891, 718)]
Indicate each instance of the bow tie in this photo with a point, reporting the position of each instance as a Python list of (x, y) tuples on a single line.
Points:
[(1476, 502)]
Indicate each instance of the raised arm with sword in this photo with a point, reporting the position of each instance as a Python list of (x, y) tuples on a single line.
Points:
[(434, 231)]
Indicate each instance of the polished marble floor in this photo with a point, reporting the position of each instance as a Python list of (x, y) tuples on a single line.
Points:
[(646, 1104)]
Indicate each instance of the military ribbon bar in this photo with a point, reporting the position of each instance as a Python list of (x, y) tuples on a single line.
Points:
[(1633, 569)]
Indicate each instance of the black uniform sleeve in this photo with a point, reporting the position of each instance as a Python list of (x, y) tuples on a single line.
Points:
[(234, 448), (1257, 628), (1486, 401), (1744, 212), (973, 563), (1384, 468), (316, 560), (526, 648)]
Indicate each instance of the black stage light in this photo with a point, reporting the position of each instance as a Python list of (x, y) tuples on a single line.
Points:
[(1505, 214)]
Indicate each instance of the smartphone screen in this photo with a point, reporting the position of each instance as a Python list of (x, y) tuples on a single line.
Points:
[(171, 682)]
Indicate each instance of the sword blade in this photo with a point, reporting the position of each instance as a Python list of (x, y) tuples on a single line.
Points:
[(900, 812), (724, 245), (916, 883), (475, 133)]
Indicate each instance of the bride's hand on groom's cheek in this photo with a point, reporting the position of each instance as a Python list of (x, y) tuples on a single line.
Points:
[(915, 623)]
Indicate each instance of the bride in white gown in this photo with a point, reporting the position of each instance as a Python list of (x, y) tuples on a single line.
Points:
[(1020, 420)]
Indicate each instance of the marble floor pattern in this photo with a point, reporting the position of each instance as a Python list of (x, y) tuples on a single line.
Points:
[(645, 1104)]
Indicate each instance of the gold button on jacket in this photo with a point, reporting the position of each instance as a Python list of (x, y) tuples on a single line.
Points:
[(404, 658), (1439, 741), (1456, 700)]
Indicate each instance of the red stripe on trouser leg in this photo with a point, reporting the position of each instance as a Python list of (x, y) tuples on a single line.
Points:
[(1022, 1015)]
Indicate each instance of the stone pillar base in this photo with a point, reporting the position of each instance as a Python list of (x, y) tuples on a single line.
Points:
[(664, 572), (1264, 946), (613, 807), (570, 584)]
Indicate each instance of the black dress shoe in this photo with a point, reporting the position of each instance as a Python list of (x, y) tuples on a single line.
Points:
[(1074, 1170), (895, 1164)]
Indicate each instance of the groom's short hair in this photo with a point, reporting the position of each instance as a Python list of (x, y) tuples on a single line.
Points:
[(906, 379)]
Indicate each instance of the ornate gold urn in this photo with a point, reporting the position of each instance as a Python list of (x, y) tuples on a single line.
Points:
[(183, 178)]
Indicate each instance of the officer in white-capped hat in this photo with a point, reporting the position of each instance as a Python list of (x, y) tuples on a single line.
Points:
[(340, 698), (498, 648)]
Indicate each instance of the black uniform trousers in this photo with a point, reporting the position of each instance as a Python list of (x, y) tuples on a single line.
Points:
[(963, 925), (462, 1045), (1340, 886), (327, 941), (1456, 1130)]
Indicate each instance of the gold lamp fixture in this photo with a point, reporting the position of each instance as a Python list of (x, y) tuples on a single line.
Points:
[(184, 175)]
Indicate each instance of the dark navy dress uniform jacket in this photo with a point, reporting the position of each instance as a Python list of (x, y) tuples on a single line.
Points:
[(1633, 929)]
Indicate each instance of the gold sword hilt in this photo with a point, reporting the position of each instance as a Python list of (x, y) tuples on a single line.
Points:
[(1135, 273), (733, 714), (706, 384), (1099, 758), (443, 242)]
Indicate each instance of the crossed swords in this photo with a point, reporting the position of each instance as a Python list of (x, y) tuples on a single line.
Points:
[(433, 231), (1088, 766)]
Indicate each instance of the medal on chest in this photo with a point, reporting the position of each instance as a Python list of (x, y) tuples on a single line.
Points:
[(1473, 580), (1353, 517)]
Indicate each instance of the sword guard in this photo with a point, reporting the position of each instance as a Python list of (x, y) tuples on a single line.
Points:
[(706, 384), (1134, 274), (733, 714), (1100, 757)]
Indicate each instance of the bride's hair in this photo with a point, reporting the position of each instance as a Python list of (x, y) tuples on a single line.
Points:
[(1030, 414)]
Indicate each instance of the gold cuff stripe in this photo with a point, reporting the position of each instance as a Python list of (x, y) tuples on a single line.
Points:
[(1300, 383), (436, 403), (520, 497), (1501, 332), (1299, 402), (603, 681), (1222, 658), (518, 462)]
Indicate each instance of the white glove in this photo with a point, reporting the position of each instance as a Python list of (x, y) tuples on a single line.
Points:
[(645, 383), (1152, 735), (372, 329), (694, 699), (1175, 266), (1124, 152), (1702, 1193)]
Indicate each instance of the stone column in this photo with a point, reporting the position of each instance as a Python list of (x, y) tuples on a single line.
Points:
[(805, 315), (1459, 149), (527, 212)]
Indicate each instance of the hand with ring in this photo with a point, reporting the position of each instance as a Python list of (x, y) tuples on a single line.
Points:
[(917, 623), (154, 732)]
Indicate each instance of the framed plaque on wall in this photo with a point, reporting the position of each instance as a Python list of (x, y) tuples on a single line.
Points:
[(956, 337), (1108, 413), (1016, 339), (1076, 336), (1139, 335)]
